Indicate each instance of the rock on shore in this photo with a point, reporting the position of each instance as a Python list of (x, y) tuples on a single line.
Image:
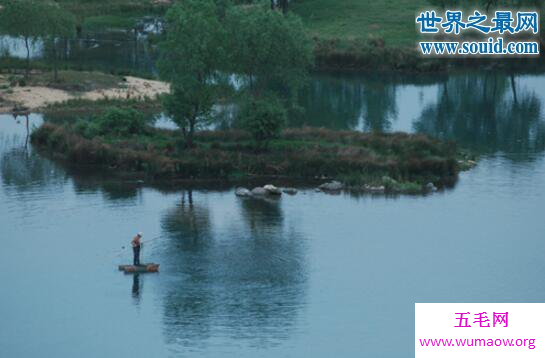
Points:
[(268, 189), (272, 190), (243, 192), (374, 189), (331, 186), (259, 191), (430, 187)]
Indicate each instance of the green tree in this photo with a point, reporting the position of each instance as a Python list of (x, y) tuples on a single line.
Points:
[(488, 5), (33, 20), (190, 58), (59, 24), (264, 119), (23, 18), (270, 51), (272, 55)]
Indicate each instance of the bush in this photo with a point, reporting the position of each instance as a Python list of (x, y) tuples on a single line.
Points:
[(263, 119), (86, 128), (115, 121), (121, 122)]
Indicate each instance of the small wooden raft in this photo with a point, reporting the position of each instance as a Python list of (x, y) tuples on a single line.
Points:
[(139, 268)]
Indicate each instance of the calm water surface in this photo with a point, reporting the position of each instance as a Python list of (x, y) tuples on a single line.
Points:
[(306, 275)]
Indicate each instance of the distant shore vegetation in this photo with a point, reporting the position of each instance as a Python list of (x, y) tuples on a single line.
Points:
[(345, 35)]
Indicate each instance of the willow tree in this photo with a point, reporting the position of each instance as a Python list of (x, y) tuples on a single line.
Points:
[(23, 18), (271, 51), (34, 20), (271, 54), (190, 57)]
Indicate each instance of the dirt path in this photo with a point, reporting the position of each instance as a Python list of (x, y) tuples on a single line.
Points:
[(36, 97)]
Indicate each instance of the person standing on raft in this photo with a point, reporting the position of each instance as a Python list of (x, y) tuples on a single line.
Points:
[(136, 244)]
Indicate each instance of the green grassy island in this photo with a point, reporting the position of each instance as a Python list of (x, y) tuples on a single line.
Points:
[(395, 162)]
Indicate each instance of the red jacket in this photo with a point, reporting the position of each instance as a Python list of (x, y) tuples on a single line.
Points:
[(135, 241)]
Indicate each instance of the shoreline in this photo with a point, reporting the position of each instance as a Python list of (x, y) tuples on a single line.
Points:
[(16, 98), (409, 60)]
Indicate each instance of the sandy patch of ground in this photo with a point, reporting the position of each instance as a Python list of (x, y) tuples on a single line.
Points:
[(35, 98)]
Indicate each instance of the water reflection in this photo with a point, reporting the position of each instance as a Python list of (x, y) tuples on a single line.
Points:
[(244, 278), (124, 51), (380, 107), (117, 51), (363, 102), (486, 111), (135, 290), (23, 169), (188, 220), (27, 127), (112, 190), (262, 215)]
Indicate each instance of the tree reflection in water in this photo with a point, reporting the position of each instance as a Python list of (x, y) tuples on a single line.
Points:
[(486, 113), (23, 169), (241, 276), (341, 102)]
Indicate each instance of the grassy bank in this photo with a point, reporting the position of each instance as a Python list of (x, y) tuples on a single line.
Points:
[(84, 108), (67, 80), (351, 21), (73, 81), (16, 66), (401, 162), (346, 34), (368, 34), (97, 15)]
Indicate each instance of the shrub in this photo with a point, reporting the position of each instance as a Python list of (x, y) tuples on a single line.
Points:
[(115, 121), (86, 129), (121, 122), (263, 119)]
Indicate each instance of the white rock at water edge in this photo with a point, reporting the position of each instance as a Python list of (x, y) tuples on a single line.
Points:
[(259, 191), (431, 187), (374, 189), (332, 186), (271, 189), (243, 192)]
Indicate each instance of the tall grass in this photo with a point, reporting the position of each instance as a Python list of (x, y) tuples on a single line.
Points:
[(298, 153)]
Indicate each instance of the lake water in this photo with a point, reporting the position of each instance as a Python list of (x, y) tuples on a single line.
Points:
[(307, 275)]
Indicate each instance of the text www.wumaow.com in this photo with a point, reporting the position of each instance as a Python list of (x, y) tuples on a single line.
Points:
[(475, 342)]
